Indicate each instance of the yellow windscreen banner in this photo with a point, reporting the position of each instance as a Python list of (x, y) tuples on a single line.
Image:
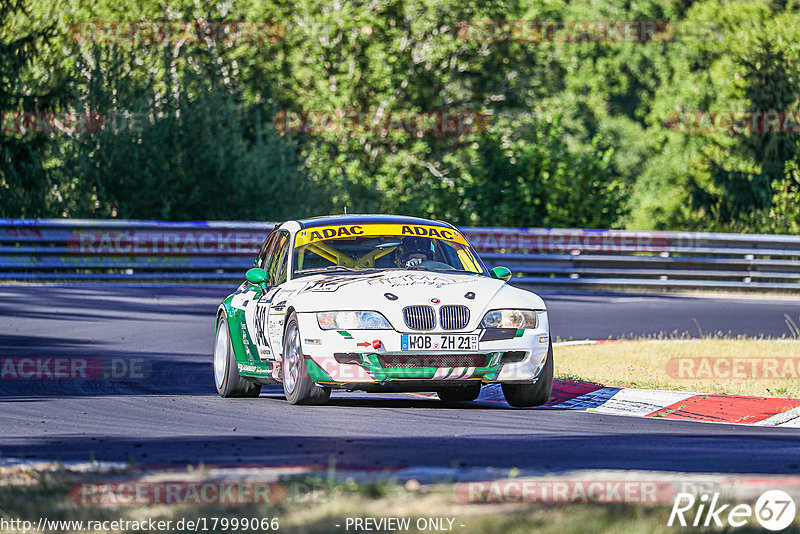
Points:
[(322, 233)]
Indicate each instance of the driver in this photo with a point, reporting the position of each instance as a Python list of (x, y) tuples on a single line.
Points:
[(414, 250)]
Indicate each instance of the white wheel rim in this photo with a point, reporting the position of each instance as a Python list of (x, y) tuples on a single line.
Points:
[(220, 354), (292, 359)]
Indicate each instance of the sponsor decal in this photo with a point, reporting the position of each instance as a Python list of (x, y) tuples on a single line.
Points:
[(332, 283), (410, 279), (249, 368), (345, 231), (245, 339)]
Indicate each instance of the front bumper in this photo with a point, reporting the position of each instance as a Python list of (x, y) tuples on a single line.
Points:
[(351, 359)]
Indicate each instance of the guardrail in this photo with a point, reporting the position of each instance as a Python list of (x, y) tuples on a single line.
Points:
[(152, 251)]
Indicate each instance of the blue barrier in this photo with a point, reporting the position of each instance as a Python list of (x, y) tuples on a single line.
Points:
[(116, 251)]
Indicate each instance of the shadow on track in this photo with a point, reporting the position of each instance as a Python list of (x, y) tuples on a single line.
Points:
[(547, 453)]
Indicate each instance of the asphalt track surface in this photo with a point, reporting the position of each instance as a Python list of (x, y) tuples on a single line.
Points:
[(175, 417)]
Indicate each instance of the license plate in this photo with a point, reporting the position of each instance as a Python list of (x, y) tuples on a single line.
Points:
[(439, 342)]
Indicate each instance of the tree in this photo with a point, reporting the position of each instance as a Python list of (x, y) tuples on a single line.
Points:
[(26, 179)]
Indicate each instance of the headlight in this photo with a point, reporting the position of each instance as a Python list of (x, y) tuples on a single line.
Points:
[(352, 320), (509, 319)]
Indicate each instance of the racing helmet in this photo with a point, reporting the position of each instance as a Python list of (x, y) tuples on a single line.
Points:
[(415, 245)]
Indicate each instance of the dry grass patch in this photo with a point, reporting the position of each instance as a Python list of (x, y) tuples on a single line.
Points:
[(758, 367)]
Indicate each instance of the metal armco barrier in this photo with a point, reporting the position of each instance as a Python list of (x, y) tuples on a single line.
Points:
[(151, 251)]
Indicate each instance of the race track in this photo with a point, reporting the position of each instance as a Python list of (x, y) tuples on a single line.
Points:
[(174, 416)]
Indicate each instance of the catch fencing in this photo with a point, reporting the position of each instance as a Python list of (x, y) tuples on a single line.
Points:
[(113, 251)]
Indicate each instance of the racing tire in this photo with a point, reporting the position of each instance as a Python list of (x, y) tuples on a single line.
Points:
[(460, 393), (536, 394), (297, 385), (226, 372)]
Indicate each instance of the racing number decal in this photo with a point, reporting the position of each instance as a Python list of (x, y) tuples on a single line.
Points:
[(260, 321), (260, 324)]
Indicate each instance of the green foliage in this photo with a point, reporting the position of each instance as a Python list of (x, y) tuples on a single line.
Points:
[(197, 153), (580, 133), (25, 179), (732, 56), (529, 178)]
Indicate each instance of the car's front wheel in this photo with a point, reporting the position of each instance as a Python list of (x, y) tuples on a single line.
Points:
[(536, 394), (297, 385), (226, 372)]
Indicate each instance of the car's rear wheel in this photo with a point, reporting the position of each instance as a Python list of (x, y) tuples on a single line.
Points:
[(297, 385), (459, 393), (226, 372), (536, 394)]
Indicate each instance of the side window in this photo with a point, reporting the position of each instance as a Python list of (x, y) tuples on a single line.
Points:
[(261, 259), (277, 257), (282, 269)]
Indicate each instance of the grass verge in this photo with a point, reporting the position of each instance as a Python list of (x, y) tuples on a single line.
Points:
[(317, 506), (758, 367)]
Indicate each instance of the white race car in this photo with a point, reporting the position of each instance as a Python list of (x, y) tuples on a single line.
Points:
[(384, 304)]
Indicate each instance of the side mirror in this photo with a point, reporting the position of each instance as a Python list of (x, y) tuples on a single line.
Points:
[(256, 276), (501, 273)]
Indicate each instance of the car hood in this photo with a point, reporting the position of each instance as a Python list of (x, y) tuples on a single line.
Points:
[(391, 291)]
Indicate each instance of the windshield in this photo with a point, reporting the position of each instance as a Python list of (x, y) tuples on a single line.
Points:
[(383, 246)]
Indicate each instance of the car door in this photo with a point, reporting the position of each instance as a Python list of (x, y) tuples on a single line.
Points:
[(251, 319), (277, 306), (257, 313)]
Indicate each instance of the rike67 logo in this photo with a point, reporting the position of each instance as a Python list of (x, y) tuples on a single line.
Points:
[(774, 510)]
